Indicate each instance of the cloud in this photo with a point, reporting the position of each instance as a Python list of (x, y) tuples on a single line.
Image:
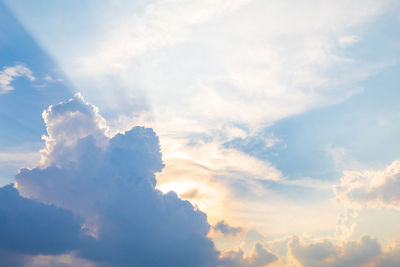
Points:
[(8, 74), (110, 182), (218, 180), (67, 123), (226, 229), (29, 227), (391, 257), (258, 258), (347, 222), (217, 71), (326, 253), (348, 40), (270, 66), (371, 188)]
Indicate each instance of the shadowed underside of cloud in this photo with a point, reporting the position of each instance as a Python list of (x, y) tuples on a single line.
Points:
[(33, 228), (29, 228)]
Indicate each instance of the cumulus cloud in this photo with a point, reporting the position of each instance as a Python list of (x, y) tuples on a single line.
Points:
[(226, 229), (258, 258), (371, 188), (110, 183), (8, 74), (326, 253)]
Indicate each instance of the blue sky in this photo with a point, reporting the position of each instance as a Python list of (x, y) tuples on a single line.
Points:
[(21, 122), (276, 119)]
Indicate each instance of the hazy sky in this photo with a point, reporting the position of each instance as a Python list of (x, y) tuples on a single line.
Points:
[(275, 125)]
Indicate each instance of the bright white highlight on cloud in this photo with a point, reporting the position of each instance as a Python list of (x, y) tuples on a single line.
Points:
[(379, 188), (8, 74), (68, 122)]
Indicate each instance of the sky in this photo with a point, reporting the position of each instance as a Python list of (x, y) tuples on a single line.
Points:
[(199, 133)]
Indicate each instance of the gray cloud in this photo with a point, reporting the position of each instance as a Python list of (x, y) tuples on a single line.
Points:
[(226, 229)]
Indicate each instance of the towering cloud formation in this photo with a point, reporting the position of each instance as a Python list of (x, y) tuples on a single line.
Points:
[(110, 183)]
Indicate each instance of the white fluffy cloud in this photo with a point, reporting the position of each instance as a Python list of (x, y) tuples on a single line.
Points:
[(372, 188), (67, 123), (8, 74)]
